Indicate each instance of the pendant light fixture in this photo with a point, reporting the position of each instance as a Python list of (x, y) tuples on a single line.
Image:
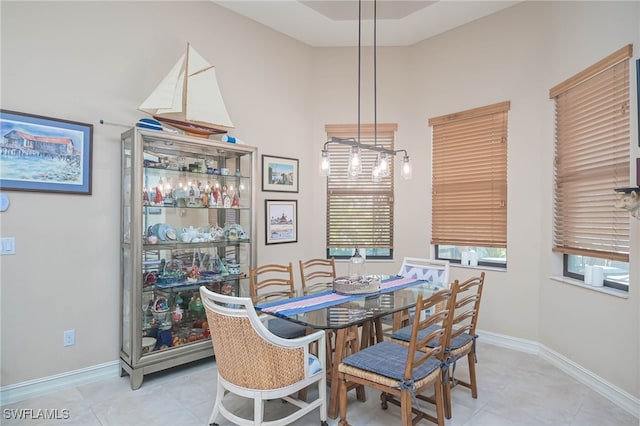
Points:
[(382, 166)]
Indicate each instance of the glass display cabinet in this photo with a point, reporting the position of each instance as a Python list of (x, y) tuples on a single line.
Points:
[(187, 220)]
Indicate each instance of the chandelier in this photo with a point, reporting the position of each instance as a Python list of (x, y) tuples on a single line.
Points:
[(381, 167)]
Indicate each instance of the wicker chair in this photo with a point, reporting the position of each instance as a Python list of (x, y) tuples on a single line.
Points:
[(254, 363), (273, 281), (462, 340), (404, 372)]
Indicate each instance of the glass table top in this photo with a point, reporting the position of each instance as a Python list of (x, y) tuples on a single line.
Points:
[(329, 310)]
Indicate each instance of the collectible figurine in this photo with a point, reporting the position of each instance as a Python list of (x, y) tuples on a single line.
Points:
[(159, 197), (226, 200)]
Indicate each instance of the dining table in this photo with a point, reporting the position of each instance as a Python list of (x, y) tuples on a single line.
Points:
[(356, 319)]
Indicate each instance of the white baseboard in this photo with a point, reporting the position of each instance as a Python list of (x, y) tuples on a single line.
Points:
[(30, 389), (613, 393), (37, 387)]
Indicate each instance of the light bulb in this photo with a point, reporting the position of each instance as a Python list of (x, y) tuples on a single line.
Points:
[(375, 172), (406, 168), (355, 165), (325, 164), (383, 164)]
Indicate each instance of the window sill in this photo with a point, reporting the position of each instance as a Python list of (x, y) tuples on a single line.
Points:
[(606, 290), (484, 268)]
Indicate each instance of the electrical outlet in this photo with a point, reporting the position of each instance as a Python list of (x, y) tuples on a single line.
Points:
[(69, 337)]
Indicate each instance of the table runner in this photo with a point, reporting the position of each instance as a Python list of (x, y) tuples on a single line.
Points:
[(325, 299)]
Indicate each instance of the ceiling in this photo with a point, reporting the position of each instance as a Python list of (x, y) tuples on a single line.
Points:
[(332, 23)]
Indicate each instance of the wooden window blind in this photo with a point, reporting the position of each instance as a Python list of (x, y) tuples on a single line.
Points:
[(359, 211), (469, 188), (592, 158)]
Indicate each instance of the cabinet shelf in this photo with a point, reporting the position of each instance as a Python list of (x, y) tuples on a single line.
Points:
[(171, 206), (168, 181), (185, 285), (174, 245)]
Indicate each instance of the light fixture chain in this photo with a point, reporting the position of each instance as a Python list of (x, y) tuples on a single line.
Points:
[(375, 73), (359, 60), (382, 165)]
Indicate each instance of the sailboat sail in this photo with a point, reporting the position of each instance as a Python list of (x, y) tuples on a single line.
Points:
[(190, 94)]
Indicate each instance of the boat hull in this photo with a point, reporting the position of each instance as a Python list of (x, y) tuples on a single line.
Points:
[(191, 128)]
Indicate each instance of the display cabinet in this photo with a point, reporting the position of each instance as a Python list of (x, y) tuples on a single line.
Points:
[(187, 220)]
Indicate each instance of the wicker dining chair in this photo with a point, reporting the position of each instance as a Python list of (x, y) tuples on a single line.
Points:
[(462, 340), (405, 372), (270, 282), (254, 363)]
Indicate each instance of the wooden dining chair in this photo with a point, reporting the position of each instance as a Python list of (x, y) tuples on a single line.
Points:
[(254, 363), (271, 282), (317, 274), (462, 339), (404, 372)]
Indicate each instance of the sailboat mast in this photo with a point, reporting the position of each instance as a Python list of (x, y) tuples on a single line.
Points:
[(185, 83)]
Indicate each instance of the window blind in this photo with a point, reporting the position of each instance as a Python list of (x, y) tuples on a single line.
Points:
[(469, 188), (592, 158), (359, 211)]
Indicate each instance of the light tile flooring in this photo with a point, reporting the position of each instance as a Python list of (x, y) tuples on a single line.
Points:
[(514, 389)]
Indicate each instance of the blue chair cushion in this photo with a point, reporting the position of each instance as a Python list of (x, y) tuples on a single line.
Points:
[(457, 342), (286, 329), (314, 365), (388, 359)]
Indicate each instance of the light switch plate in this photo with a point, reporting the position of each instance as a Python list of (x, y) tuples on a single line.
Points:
[(4, 202), (8, 245)]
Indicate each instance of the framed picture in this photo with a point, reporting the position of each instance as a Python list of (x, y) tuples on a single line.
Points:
[(279, 174), (44, 154), (281, 221)]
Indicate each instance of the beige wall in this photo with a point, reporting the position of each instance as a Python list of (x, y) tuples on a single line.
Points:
[(99, 60)]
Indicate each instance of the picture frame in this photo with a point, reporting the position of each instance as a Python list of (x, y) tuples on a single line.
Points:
[(279, 174), (281, 221), (45, 154)]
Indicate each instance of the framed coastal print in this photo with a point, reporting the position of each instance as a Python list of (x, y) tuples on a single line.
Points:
[(44, 154), (279, 174), (281, 221)]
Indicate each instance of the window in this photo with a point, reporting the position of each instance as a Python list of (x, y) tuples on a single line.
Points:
[(359, 211), (591, 159), (469, 184)]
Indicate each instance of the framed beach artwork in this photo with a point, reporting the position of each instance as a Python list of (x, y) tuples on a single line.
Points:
[(281, 221), (279, 174), (44, 154)]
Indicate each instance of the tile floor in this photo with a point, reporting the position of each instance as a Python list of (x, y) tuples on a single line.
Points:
[(514, 389)]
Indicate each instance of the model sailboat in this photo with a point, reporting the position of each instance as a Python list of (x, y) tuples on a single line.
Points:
[(189, 98)]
